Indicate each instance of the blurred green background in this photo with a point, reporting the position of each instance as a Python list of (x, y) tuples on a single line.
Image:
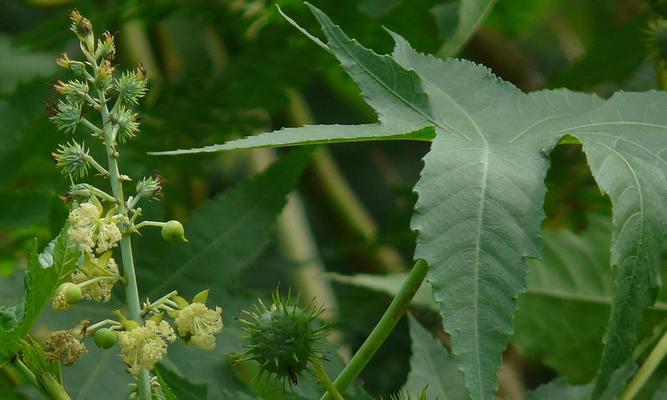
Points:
[(230, 68)]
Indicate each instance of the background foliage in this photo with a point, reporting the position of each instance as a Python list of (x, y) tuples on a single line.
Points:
[(228, 69)]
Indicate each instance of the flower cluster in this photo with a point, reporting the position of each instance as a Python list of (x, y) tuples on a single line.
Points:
[(144, 346), (92, 228), (198, 325), (102, 101)]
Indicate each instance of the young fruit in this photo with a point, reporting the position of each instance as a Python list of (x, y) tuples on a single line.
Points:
[(173, 230), (283, 338), (105, 338), (70, 292)]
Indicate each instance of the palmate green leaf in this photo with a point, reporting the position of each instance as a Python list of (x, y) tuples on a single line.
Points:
[(626, 146), (45, 272), (433, 367), (479, 209), (317, 134), (562, 316)]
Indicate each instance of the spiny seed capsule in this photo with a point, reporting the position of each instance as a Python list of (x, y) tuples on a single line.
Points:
[(173, 230), (283, 338), (105, 338)]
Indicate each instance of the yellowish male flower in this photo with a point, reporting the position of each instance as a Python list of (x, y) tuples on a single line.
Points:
[(92, 230), (103, 267), (144, 346), (198, 324)]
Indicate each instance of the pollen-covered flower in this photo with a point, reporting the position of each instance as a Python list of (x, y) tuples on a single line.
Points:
[(198, 324), (97, 277), (65, 347), (92, 230), (144, 346)]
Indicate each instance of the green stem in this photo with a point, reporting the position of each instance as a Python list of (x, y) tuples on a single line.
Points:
[(28, 375), (98, 279), (652, 362), (96, 165), (326, 381), (383, 328), (101, 324), (131, 290), (149, 223), (90, 125)]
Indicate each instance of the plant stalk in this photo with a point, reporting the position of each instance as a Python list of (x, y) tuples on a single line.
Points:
[(650, 364), (131, 290), (383, 328), (325, 381)]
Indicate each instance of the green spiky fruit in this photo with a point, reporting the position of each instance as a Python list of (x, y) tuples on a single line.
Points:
[(283, 338)]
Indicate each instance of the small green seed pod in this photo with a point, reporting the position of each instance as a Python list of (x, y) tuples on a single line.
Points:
[(105, 338), (173, 230), (70, 292)]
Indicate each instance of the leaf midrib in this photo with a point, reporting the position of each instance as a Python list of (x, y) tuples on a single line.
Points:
[(478, 243)]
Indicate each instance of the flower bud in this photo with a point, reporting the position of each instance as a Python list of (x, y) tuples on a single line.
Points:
[(83, 29), (74, 91), (150, 188), (105, 338), (71, 159), (173, 230), (131, 87), (79, 191), (104, 78), (67, 116), (126, 120), (105, 48)]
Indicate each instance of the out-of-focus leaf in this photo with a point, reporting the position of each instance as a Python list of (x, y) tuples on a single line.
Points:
[(602, 63), (228, 232), (19, 66), (22, 208), (469, 15), (389, 283), (178, 387), (559, 389), (433, 367)]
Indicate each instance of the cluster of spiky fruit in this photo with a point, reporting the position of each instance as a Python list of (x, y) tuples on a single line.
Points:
[(283, 338)]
